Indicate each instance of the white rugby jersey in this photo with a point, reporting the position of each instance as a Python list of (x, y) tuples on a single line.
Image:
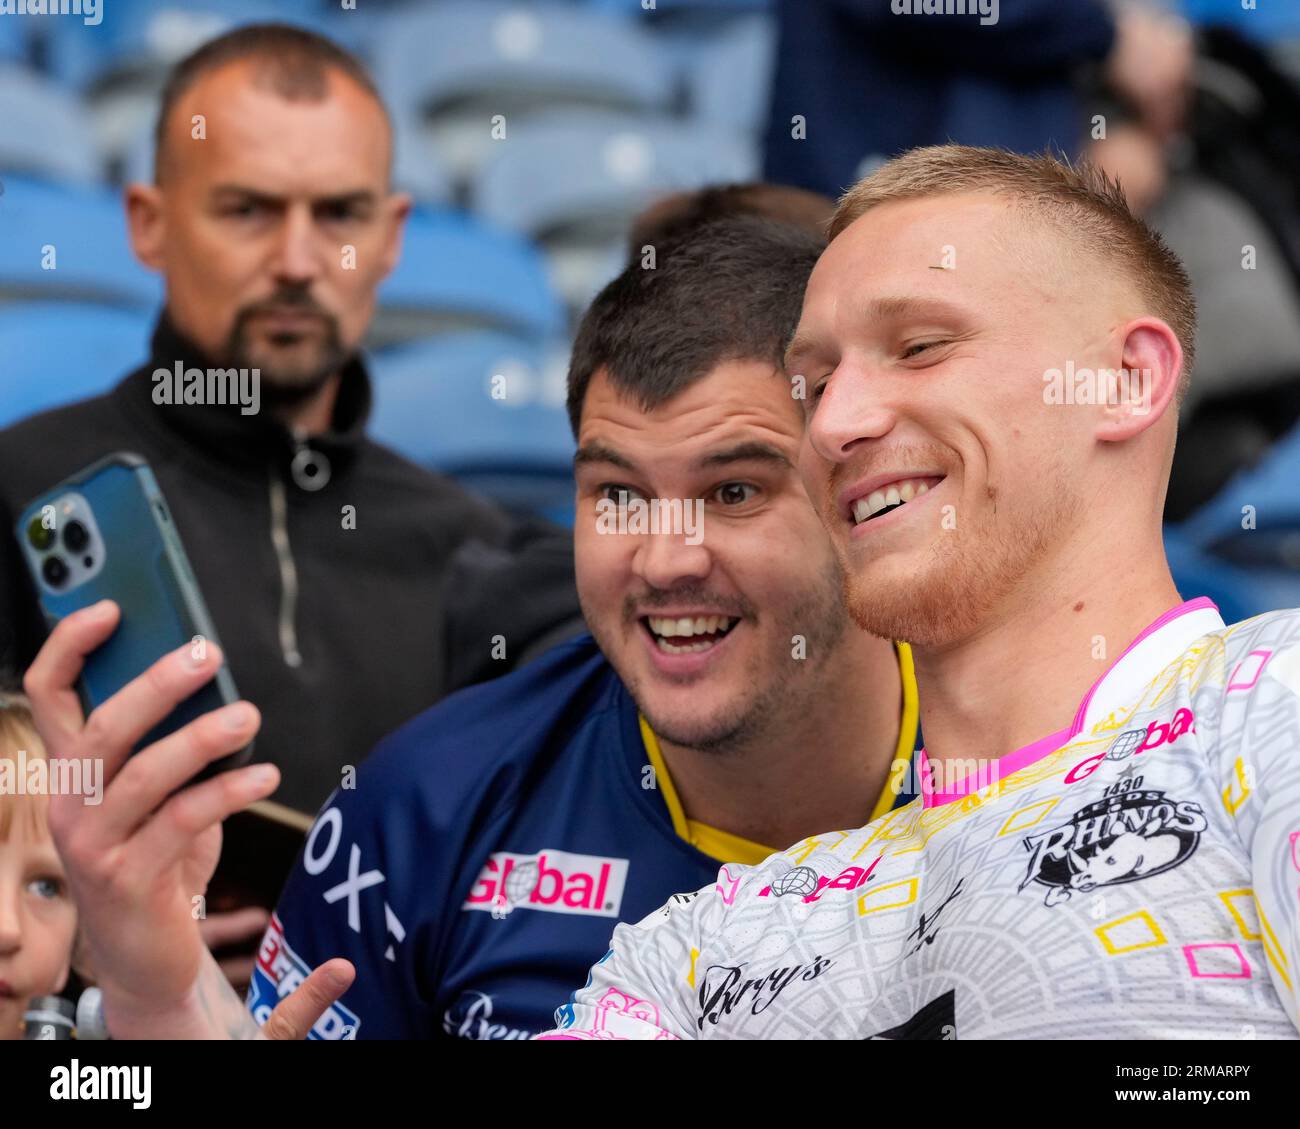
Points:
[(1136, 875)]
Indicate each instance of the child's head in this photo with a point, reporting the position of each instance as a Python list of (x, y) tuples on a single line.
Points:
[(38, 921)]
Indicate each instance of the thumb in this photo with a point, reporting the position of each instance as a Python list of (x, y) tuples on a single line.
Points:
[(294, 1016)]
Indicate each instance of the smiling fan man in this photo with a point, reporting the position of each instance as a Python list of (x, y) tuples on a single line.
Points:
[(1125, 859), (725, 705)]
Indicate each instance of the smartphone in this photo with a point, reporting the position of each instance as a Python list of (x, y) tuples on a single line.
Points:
[(106, 533)]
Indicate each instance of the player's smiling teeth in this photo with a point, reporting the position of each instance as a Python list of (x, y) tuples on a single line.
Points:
[(694, 634), (895, 494)]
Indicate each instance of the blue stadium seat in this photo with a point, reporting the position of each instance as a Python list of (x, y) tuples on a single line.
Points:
[(453, 67), (91, 258), (121, 64), (573, 182), (58, 352), (581, 170), (15, 44), (1239, 592), (456, 274), (46, 132), (673, 9), (729, 75), (579, 272), (1271, 538), (136, 38), (1249, 555), (435, 403), (1263, 21), (417, 165)]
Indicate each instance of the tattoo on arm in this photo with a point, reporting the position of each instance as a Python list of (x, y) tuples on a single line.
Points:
[(225, 1011)]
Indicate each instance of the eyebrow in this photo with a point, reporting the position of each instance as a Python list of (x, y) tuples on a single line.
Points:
[(801, 345), (354, 196), (599, 453), (749, 451), (804, 345)]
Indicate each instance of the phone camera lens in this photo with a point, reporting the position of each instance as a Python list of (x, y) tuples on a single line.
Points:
[(39, 535), (54, 571), (75, 536)]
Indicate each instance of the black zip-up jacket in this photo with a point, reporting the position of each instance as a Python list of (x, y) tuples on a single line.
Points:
[(337, 634)]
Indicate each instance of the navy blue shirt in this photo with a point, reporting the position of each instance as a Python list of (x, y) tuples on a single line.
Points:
[(478, 867), (868, 83)]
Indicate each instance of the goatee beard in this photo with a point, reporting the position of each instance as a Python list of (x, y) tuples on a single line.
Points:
[(287, 387)]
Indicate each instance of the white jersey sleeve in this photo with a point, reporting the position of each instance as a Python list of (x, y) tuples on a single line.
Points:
[(1255, 751), (644, 986)]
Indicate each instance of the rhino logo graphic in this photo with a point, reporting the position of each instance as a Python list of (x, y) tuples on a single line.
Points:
[(1129, 834)]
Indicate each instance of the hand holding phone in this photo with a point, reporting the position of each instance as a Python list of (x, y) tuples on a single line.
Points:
[(139, 861)]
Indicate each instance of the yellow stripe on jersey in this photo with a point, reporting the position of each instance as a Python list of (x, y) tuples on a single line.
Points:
[(717, 844), (906, 732), (724, 846)]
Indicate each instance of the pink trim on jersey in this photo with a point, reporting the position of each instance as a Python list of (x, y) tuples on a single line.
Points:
[(1045, 746), (1004, 766), (1169, 616)]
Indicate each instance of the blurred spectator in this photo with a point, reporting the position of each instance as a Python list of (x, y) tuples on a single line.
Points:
[(670, 216), (1224, 192), (330, 565), (859, 81)]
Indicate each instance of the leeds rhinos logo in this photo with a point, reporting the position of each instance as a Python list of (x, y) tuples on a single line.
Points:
[(1130, 833)]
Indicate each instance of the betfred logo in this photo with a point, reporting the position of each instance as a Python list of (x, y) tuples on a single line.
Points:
[(550, 881), (278, 973)]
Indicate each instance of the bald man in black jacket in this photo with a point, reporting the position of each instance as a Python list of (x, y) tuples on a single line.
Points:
[(350, 588)]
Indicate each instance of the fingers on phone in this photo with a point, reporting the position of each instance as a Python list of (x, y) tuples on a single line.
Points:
[(50, 681), (116, 726), (170, 835), (294, 1016), (146, 780)]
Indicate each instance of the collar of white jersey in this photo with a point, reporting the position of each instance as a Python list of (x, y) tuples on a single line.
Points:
[(1142, 660)]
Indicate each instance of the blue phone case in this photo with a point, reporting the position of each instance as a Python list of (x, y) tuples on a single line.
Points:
[(145, 571)]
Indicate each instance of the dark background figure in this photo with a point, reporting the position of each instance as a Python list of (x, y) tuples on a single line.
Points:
[(870, 78)]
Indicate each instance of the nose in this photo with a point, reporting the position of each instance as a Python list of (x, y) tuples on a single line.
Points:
[(668, 560), (298, 253), (851, 411)]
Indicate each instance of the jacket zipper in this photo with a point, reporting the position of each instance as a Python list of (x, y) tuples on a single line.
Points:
[(310, 470), (288, 572)]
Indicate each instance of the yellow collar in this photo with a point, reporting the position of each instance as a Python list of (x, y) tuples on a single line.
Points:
[(724, 846)]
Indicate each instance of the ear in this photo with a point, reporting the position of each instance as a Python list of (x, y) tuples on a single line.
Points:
[(398, 206), (146, 224), (1146, 385)]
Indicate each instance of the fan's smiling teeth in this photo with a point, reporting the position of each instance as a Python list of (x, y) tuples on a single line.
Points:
[(882, 501), (678, 635)]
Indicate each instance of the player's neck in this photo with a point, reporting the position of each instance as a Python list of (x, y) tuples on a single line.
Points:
[(821, 769), (1021, 676)]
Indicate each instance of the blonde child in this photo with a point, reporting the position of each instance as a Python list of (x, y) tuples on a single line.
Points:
[(38, 922)]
